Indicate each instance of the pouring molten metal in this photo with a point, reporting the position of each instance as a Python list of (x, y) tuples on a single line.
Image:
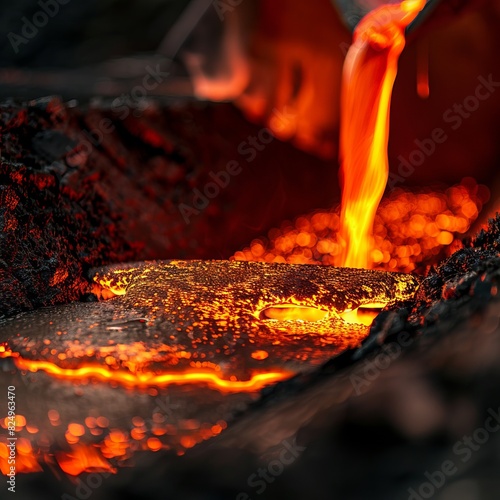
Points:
[(369, 73)]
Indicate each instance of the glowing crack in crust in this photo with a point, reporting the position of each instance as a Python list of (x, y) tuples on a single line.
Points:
[(235, 326)]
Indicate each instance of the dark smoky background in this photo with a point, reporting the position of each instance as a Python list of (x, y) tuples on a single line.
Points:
[(71, 33)]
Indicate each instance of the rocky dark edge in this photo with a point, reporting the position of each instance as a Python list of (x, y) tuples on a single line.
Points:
[(86, 186)]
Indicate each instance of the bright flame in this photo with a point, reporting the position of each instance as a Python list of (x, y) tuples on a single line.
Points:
[(369, 73)]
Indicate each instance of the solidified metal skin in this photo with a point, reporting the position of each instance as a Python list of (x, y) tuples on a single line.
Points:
[(173, 318), (193, 323)]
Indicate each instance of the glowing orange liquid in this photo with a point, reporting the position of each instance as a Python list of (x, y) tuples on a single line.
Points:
[(369, 72)]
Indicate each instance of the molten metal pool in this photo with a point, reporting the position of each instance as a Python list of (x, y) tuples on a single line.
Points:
[(175, 349)]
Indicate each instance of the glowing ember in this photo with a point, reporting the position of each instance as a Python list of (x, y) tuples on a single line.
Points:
[(412, 231), (369, 72), (83, 458)]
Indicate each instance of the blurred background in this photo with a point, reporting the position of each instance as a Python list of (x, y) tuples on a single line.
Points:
[(84, 33)]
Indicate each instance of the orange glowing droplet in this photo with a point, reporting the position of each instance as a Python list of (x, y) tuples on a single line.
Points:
[(90, 422), (216, 429), (70, 438), (154, 444), (53, 415), (369, 72), (117, 436), (102, 422), (423, 70), (138, 421), (260, 355), (188, 441), (76, 429), (137, 434)]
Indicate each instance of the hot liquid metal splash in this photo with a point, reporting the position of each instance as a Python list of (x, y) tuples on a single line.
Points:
[(206, 336), (369, 72)]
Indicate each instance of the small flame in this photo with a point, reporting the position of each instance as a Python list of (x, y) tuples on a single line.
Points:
[(83, 458), (369, 73)]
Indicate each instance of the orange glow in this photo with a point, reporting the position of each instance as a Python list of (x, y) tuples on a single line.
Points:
[(232, 73), (25, 459), (293, 312), (369, 72), (423, 70), (76, 429), (83, 458), (154, 444), (255, 383), (412, 231), (271, 316), (363, 315), (260, 355)]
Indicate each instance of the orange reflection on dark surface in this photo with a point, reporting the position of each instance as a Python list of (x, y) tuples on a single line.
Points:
[(24, 458)]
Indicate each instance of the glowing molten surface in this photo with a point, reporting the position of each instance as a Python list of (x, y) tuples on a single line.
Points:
[(205, 335), (287, 312), (103, 373), (369, 72)]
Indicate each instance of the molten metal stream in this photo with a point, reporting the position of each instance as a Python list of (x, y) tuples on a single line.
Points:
[(369, 72)]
